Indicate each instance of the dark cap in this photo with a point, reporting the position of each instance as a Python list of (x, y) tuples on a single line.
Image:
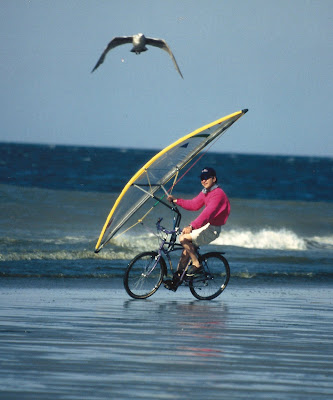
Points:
[(207, 173)]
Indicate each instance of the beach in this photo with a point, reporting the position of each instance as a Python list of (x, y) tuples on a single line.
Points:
[(86, 339)]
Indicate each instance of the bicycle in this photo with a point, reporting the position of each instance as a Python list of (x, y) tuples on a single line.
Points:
[(145, 273)]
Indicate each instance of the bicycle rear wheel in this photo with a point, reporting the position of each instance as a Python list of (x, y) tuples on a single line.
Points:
[(144, 275), (215, 278)]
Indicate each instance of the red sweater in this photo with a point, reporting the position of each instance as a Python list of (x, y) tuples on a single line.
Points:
[(216, 211)]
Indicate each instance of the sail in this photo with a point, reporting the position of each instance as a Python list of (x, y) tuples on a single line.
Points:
[(132, 206)]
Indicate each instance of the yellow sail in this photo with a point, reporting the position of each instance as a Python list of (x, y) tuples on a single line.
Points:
[(130, 206)]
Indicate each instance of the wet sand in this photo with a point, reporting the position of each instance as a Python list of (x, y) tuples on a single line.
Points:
[(86, 339)]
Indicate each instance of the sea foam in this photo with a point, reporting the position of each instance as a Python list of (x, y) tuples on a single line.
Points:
[(282, 239)]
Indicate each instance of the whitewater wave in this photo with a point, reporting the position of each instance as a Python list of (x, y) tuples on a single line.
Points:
[(264, 239), (125, 248)]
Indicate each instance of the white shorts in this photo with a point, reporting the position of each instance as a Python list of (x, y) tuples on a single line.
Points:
[(205, 234)]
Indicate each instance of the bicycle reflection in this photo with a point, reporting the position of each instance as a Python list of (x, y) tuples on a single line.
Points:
[(200, 329)]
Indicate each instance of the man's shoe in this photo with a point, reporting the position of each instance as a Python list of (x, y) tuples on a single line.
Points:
[(169, 284), (194, 271)]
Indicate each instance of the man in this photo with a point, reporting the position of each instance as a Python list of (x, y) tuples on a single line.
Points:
[(207, 226)]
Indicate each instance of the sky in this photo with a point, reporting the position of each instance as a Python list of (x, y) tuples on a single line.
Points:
[(273, 57)]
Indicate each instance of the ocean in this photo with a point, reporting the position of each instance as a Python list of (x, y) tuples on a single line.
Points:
[(55, 199), (69, 330)]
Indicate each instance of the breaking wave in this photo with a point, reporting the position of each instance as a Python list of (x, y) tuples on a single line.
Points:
[(264, 239), (125, 248)]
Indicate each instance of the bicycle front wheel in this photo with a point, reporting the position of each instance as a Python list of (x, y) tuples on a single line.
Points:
[(215, 278), (144, 275)]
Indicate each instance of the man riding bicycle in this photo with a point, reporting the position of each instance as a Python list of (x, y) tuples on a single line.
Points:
[(207, 226)]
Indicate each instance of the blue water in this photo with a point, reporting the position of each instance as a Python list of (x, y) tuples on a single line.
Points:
[(108, 170), (55, 199)]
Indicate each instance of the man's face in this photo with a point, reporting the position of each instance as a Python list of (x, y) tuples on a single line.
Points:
[(208, 183)]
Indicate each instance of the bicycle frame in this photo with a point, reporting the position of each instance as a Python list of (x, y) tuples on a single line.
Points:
[(171, 243), (205, 286)]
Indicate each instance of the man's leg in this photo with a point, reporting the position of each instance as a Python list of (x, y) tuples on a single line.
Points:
[(189, 249), (183, 261)]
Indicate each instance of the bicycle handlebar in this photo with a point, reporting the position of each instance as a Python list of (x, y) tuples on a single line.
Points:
[(163, 229)]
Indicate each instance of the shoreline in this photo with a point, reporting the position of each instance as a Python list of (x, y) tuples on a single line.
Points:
[(236, 283)]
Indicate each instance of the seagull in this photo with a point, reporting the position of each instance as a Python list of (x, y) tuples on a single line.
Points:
[(139, 42)]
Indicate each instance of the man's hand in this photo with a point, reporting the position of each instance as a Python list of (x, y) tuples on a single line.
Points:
[(187, 229), (172, 199)]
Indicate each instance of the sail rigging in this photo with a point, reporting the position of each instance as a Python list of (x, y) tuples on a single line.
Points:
[(155, 174)]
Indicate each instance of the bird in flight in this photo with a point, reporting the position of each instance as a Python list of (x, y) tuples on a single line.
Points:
[(139, 43)]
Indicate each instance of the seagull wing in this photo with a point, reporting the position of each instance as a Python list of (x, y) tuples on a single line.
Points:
[(116, 41), (162, 44)]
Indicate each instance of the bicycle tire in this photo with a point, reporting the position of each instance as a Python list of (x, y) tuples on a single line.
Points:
[(215, 278), (144, 275)]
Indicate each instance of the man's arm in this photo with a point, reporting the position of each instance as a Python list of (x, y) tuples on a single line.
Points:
[(218, 202)]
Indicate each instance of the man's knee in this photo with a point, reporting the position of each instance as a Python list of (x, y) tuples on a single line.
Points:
[(185, 238)]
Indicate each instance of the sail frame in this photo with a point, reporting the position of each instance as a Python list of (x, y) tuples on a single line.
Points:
[(220, 129)]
